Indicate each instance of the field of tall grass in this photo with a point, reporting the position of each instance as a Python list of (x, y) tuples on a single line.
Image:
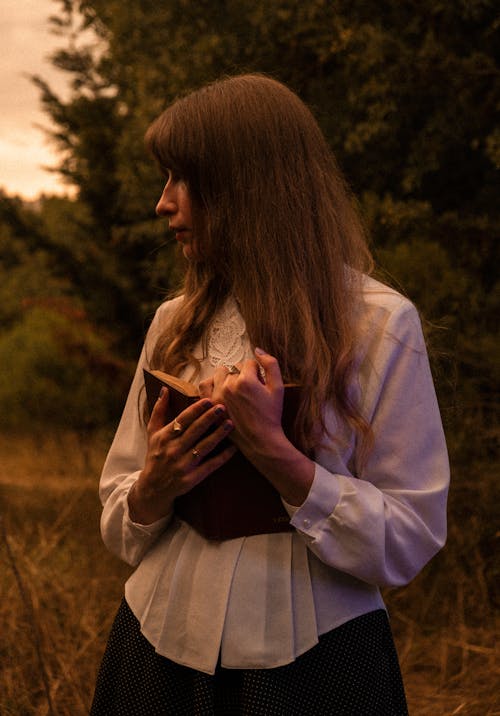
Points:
[(60, 589)]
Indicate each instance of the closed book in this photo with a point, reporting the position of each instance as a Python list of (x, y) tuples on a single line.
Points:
[(236, 500)]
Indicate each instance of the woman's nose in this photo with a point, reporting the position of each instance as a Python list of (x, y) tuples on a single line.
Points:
[(167, 204)]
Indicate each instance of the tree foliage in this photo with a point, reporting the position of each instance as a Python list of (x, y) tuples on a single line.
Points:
[(57, 370), (58, 366), (405, 92)]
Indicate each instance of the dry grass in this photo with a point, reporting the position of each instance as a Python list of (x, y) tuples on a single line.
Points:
[(60, 590), (59, 586)]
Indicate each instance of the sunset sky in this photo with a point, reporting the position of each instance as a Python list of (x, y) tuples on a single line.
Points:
[(25, 44)]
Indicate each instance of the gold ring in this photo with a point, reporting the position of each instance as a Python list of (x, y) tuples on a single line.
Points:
[(195, 453), (233, 370), (177, 427)]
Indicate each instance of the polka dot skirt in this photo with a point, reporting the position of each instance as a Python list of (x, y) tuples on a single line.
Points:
[(352, 671)]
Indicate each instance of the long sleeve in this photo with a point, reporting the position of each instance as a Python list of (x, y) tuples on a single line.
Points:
[(381, 521), (125, 460)]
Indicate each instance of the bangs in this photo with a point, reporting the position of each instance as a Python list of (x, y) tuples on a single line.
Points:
[(167, 141)]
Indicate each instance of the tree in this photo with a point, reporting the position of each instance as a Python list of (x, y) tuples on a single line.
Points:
[(58, 366), (405, 92)]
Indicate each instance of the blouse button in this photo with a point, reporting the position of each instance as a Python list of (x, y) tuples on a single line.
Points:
[(306, 523)]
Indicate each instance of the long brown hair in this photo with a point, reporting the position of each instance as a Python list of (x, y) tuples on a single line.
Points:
[(278, 230)]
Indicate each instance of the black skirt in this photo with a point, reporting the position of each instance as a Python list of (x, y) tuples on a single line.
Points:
[(352, 671)]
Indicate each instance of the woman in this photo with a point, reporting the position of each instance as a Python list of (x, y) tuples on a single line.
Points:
[(276, 289)]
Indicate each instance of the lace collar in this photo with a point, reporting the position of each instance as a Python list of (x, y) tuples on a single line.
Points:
[(227, 341)]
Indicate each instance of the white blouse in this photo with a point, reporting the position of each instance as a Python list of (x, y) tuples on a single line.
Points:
[(261, 601)]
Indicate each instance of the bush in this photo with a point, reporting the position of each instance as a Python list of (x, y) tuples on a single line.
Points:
[(58, 370)]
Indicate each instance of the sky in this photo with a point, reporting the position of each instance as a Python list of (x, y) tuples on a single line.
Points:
[(25, 43)]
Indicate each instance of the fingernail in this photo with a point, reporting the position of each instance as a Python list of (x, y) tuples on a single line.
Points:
[(206, 404), (162, 392), (228, 426), (219, 410), (260, 352)]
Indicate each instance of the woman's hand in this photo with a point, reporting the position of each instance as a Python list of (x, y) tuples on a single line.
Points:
[(254, 401), (178, 456)]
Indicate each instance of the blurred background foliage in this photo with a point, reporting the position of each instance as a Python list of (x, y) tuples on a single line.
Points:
[(408, 96)]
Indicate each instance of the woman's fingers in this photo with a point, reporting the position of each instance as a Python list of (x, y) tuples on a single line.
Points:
[(196, 423), (178, 426), (270, 369), (206, 388), (202, 470), (159, 413), (210, 440), (201, 426)]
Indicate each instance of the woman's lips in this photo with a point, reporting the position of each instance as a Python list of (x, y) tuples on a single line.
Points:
[(180, 232)]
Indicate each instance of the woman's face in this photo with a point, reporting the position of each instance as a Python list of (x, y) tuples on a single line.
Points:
[(175, 203)]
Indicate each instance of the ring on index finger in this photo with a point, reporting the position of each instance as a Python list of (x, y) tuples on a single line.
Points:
[(177, 426)]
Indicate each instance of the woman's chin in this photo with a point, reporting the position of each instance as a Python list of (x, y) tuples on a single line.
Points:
[(189, 252)]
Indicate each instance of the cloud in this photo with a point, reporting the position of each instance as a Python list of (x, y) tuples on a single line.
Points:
[(22, 161)]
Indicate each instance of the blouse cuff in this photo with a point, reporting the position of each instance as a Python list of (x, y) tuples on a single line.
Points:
[(321, 501), (140, 530)]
